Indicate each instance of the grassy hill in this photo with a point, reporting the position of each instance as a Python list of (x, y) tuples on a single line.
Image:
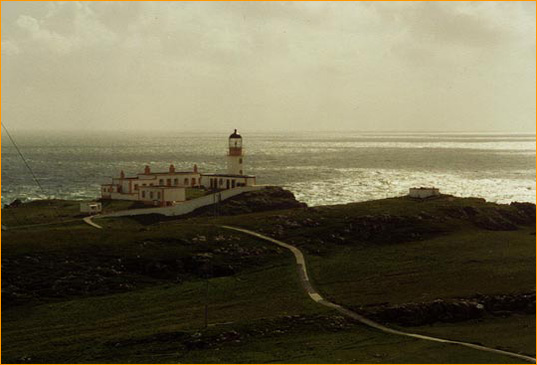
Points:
[(137, 290)]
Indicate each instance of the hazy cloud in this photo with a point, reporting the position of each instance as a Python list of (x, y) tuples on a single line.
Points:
[(269, 65)]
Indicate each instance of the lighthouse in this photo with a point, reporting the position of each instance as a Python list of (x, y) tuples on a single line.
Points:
[(235, 156), (166, 188)]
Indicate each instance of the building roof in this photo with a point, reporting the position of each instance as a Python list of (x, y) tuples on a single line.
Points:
[(235, 135), (168, 173), (228, 175)]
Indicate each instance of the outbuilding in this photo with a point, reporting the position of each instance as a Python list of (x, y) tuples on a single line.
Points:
[(91, 207), (423, 192)]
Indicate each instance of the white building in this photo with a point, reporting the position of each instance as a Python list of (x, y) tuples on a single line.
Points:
[(423, 192), (91, 207), (168, 188)]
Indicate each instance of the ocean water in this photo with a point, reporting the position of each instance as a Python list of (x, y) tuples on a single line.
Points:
[(319, 167)]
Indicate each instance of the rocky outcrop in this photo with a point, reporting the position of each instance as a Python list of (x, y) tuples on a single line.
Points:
[(495, 217), (453, 310), (269, 198), (15, 203), (43, 276)]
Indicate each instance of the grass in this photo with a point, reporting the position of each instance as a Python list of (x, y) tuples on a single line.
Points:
[(355, 345), (40, 331), (457, 265), (55, 212), (65, 262), (507, 333), (123, 327), (41, 211), (135, 291), (115, 205)]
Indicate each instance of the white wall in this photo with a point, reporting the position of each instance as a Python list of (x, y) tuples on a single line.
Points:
[(120, 196), (177, 195), (235, 165), (162, 194), (186, 206)]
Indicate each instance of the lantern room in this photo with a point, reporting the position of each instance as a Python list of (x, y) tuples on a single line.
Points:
[(235, 144)]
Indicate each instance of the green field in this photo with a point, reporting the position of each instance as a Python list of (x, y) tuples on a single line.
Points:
[(136, 291), (457, 265)]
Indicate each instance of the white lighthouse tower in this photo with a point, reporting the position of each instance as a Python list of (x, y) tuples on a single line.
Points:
[(235, 156)]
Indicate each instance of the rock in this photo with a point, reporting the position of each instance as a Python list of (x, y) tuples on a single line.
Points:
[(453, 310), (269, 198), (14, 204)]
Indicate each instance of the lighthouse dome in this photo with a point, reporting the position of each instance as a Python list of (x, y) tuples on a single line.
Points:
[(235, 134)]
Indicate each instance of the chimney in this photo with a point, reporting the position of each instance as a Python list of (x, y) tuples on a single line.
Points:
[(195, 168), (172, 168), (122, 174), (147, 170)]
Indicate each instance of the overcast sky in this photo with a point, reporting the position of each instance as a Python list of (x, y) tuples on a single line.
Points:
[(383, 66)]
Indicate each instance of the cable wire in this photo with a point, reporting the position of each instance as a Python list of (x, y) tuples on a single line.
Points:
[(24, 160), (35, 178)]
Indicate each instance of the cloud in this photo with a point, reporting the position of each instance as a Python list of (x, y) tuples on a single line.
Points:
[(51, 40), (9, 48), (67, 27), (417, 65)]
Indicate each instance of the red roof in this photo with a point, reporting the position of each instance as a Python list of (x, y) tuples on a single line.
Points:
[(169, 173)]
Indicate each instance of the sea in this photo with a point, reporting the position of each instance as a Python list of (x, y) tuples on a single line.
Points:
[(320, 168)]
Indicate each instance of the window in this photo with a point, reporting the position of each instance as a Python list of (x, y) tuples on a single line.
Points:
[(143, 193), (240, 160), (240, 172), (158, 195), (175, 181), (161, 182), (169, 182), (151, 184), (150, 195), (186, 181), (135, 186), (193, 181), (221, 182)]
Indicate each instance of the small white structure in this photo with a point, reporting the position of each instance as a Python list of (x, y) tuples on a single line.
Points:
[(91, 207), (423, 192)]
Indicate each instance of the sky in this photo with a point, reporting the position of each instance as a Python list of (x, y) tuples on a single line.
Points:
[(269, 66)]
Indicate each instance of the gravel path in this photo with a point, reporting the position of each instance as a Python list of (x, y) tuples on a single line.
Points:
[(315, 296)]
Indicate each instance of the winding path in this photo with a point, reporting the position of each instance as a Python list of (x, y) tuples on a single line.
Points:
[(315, 296), (89, 220)]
